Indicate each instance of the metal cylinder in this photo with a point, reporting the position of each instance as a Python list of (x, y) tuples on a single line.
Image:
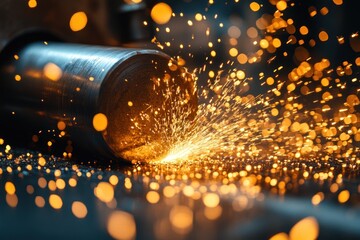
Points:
[(48, 83)]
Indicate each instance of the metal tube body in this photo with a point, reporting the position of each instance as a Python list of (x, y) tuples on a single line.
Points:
[(72, 83)]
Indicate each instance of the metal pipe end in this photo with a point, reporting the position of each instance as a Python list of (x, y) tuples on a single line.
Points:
[(141, 98)]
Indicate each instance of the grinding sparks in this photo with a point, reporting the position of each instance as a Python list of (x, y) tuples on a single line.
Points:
[(216, 127)]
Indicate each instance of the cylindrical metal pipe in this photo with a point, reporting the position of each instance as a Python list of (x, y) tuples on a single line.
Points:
[(70, 83)]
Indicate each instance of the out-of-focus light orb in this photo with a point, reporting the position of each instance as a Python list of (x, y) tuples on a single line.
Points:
[(17, 77), (133, 1), (161, 13), (276, 43), (280, 236), (42, 161), (72, 182), (240, 74), (52, 71), (39, 201), (55, 201), (344, 196), (338, 2), (281, 5), (198, 17), (78, 21), (305, 229), (114, 180), (323, 36), (60, 183), (152, 197), (211, 200), (61, 125), (169, 191), (233, 52), (264, 43), (10, 188), (213, 213), (254, 6), (32, 3), (100, 122), (234, 32), (242, 58), (79, 209), (121, 225), (12, 200), (181, 218), (104, 191), (304, 30)]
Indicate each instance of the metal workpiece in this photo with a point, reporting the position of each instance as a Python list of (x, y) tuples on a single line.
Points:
[(50, 82)]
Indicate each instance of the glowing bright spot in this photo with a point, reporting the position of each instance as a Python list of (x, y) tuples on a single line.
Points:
[(10, 188), (42, 161), (281, 5), (307, 228), (100, 122), (55, 201), (17, 77), (240, 74), (113, 180), (198, 17), (169, 191), (152, 197), (264, 43), (338, 2), (211, 74), (52, 71), (276, 43), (161, 13), (104, 192), (317, 198), (242, 58), (211, 200), (274, 112), (304, 30), (121, 225), (254, 6), (270, 81), (323, 36), (344, 196), (78, 21), (60, 184), (61, 125), (280, 236), (72, 182), (32, 3), (233, 52)]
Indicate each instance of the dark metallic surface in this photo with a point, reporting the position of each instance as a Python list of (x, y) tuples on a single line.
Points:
[(94, 80)]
